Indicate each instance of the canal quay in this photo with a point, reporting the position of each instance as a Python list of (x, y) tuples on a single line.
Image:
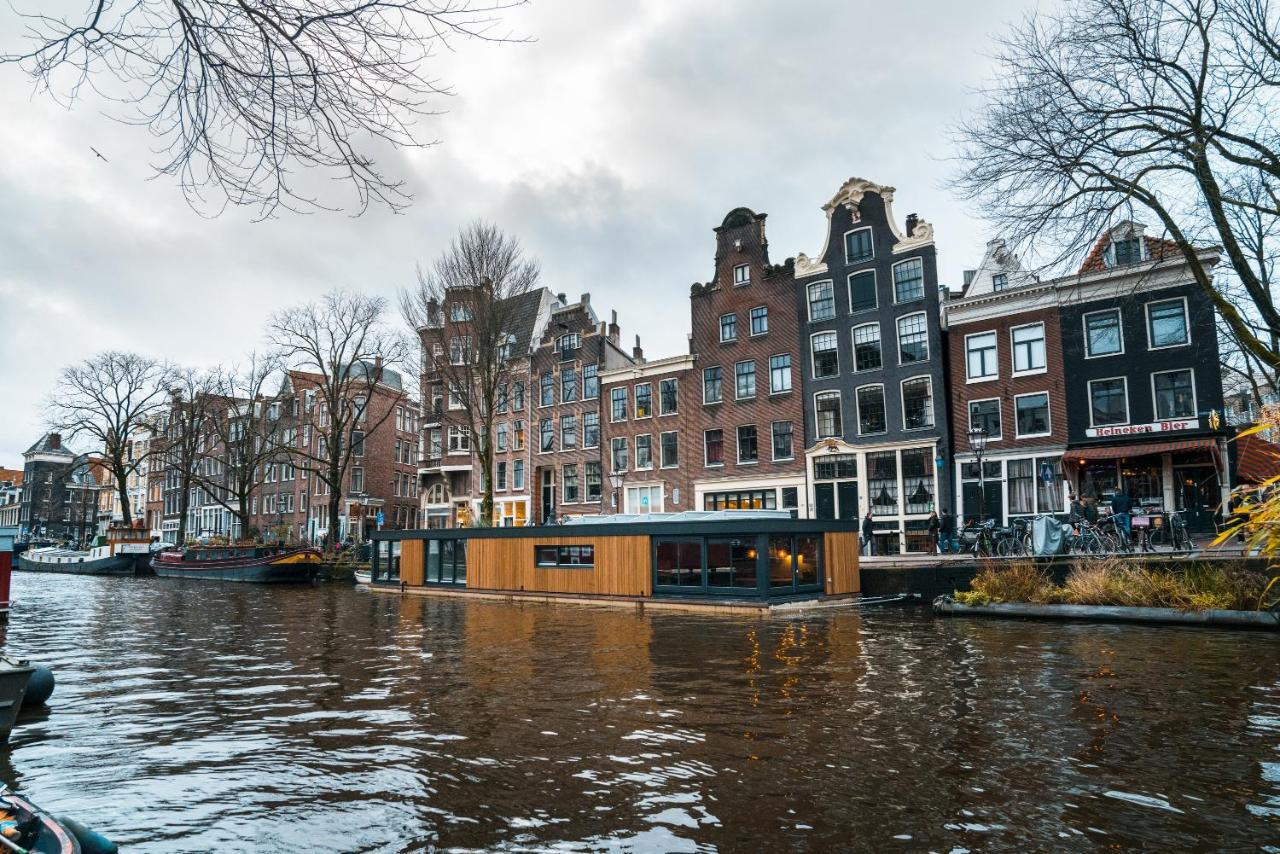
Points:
[(208, 717)]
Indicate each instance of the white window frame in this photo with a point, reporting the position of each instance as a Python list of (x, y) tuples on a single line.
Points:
[(661, 464), (744, 281), (706, 402), (853, 342), (635, 453), (809, 300), (1084, 331), (635, 401), (969, 378), (1048, 405), (902, 403), (1128, 416), (839, 408), (897, 322), (751, 333), (813, 362), (844, 246), (1186, 320), (705, 463), (790, 374), (737, 445), (875, 290), (734, 315), (1195, 396), (857, 408), (755, 380), (1013, 350), (893, 281), (999, 409), (771, 446)]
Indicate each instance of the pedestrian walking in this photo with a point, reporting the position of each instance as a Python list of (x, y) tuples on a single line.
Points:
[(868, 529), (934, 527), (1122, 509), (947, 533)]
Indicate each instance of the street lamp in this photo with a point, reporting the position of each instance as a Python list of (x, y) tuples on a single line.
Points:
[(616, 480), (978, 443)]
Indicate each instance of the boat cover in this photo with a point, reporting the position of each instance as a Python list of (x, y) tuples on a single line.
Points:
[(1048, 536)]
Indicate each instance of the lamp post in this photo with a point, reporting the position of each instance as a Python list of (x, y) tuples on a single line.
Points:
[(978, 443), (616, 479)]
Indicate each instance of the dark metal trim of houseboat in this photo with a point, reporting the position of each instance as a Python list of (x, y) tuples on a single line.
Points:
[(706, 527)]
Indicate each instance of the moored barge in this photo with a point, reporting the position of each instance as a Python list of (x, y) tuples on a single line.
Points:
[(254, 564), (124, 552)]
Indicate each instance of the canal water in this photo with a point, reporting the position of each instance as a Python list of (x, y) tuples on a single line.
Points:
[(202, 717)]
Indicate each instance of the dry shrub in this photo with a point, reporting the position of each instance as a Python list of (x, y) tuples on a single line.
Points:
[(1012, 581), (1195, 588)]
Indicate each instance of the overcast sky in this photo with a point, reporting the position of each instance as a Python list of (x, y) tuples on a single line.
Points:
[(611, 146)]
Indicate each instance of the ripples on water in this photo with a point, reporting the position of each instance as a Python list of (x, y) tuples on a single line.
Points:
[(192, 717)]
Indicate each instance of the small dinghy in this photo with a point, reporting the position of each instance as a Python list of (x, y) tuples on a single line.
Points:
[(24, 827), (364, 576)]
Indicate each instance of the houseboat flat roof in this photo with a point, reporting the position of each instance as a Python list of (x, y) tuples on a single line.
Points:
[(669, 524)]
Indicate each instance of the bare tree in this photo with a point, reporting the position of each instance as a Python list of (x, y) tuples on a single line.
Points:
[(181, 446), (244, 431), (1119, 107), (241, 93), (340, 355), (465, 309), (112, 399)]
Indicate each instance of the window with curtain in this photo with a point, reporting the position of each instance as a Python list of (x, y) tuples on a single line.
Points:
[(882, 482), (1021, 479), (917, 480), (713, 447)]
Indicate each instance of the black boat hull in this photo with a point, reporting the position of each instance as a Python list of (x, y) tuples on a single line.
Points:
[(114, 565)]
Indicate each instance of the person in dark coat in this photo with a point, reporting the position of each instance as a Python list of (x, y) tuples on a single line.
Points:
[(934, 525), (1122, 508), (947, 532), (868, 528)]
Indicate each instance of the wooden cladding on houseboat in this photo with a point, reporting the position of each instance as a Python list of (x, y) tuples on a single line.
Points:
[(412, 561), (841, 551), (622, 566)]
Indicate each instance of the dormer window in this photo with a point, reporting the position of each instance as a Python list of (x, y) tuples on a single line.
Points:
[(857, 246), (999, 281), (1126, 251), (741, 275)]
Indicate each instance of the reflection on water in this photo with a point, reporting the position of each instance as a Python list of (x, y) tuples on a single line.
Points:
[(195, 717)]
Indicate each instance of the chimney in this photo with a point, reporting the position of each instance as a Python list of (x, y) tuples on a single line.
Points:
[(912, 219), (55, 441), (614, 330), (636, 352), (585, 299), (968, 277), (564, 300), (377, 367)]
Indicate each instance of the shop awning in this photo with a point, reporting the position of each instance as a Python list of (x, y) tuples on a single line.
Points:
[(1259, 459), (1142, 449)]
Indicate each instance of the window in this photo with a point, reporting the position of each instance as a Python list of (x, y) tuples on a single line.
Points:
[(357, 443), (667, 397), (728, 327), (619, 455), (568, 385), (569, 484), (866, 347), (882, 482), (712, 392), (748, 449), (908, 280), (1102, 333), (644, 400), (780, 373), (502, 436), (517, 397), (871, 417), (1028, 348), (547, 384), (913, 339), (981, 356), (857, 246), (517, 476), (822, 302), (459, 440), (1167, 323), (741, 275), (862, 291), (459, 312), (1109, 402), (567, 557), (783, 448), (713, 447), (745, 380), (917, 403), (827, 408), (1127, 251), (594, 481), (999, 281), (759, 320), (747, 499), (1032, 412), (568, 431), (517, 435), (1022, 493), (590, 382), (591, 429), (644, 451), (618, 403), (547, 434), (1175, 393), (501, 476), (985, 415), (357, 479), (459, 349), (567, 343), (826, 358), (917, 480), (670, 450)]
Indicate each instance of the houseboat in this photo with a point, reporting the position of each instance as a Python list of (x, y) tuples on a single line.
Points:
[(124, 552), (711, 556), (256, 564)]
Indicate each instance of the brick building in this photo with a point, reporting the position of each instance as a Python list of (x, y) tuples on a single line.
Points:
[(1007, 378), (745, 339), (59, 494)]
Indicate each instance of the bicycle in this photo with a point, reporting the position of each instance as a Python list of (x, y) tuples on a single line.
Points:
[(1088, 539), (983, 541), (1014, 541)]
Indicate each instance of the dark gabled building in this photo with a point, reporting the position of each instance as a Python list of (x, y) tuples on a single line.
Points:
[(1144, 393), (873, 369), (59, 494)]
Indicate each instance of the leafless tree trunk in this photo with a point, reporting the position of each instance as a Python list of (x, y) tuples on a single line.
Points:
[(182, 443), (241, 94), (340, 349), (1119, 106), (465, 310), (244, 430), (111, 399)]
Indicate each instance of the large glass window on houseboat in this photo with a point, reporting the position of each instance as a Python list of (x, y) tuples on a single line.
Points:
[(793, 562), (679, 563), (731, 562), (917, 479), (882, 482)]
